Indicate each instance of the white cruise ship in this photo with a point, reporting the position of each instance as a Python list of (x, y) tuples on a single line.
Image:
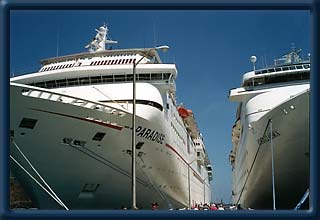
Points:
[(270, 137), (71, 132)]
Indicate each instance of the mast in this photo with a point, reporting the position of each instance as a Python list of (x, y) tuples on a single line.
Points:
[(100, 40)]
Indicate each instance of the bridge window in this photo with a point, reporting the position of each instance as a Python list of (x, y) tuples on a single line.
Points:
[(101, 79), (306, 66), (96, 79), (285, 68), (144, 76), (156, 76), (108, 78), (51, 84), (62, 82), (279, 78), (84, 81), (73, 81), (119, 78)]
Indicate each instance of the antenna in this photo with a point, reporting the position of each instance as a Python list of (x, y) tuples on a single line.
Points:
[(265, 60), (154, 34), (58, 36), (293, 47)]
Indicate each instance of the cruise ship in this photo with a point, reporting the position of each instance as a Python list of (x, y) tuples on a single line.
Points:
[(270, 136), (71, 132)]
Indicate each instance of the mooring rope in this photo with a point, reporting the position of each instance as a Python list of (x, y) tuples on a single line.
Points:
[(38, 174)]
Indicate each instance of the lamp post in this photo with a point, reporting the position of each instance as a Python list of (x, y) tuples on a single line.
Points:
[(272, 169), (133, 137), (189, 187), (204, 189)]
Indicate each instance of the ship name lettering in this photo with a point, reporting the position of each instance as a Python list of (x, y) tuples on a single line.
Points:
[(267, 138), (150, 134)]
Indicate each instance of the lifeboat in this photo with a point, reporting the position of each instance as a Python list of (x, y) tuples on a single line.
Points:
[(189, 121), (183, 112)]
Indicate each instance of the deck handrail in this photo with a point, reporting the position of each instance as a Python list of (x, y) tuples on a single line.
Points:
[(47, 94)]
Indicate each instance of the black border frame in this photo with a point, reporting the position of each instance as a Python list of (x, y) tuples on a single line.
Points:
[(6, 6)]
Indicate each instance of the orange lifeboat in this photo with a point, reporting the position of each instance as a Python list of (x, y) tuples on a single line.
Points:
[(183, 112)]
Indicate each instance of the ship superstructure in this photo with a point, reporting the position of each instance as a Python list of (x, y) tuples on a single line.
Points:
[(70, 129), (270, 136)]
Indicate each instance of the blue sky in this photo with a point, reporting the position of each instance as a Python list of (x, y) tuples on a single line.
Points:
[(210, 48)]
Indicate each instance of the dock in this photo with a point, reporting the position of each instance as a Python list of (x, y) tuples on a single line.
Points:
[(19, 199)]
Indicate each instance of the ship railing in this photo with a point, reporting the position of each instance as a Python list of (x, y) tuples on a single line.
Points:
[(35, 92)]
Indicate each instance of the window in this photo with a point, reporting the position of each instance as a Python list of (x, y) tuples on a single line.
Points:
[(84, 81), (301, 75), (62, 82), (292, 67), (166, 76), (278, 69), (108, 78), (285, 68), (73, 81), (40, 84), (130, 77), (144, 76), (28, 123), (51, 84), (156, 76), (119, 78), (90, 187), (95, 79), (98, 136)]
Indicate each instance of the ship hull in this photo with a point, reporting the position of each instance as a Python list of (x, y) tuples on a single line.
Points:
[(93, 174), (287, 128)]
